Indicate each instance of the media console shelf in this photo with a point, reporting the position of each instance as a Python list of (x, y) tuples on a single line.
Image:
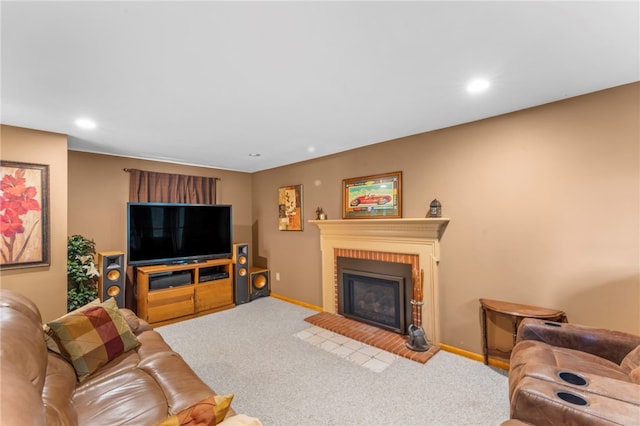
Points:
[(170, 293)]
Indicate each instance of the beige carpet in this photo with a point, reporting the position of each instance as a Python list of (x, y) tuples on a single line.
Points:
[(252, 351)]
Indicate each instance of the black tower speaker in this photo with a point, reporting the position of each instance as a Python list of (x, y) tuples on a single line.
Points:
[(240, 273), (260, 284), (111, 282)]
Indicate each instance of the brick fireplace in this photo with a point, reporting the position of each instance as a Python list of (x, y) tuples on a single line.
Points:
[(413, 241)]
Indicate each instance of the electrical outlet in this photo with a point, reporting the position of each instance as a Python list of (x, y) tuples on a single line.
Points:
[(277, 276)]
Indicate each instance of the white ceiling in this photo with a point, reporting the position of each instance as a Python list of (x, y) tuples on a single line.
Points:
[(208, 83)]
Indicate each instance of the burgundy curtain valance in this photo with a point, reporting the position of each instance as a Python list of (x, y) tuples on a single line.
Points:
[(155, 187)]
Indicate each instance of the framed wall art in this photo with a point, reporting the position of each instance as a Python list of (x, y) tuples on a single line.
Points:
[(376, 196), (24, 215), (290, 208)]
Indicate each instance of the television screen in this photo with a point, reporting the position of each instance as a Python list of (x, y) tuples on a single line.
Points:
[(174, 233)]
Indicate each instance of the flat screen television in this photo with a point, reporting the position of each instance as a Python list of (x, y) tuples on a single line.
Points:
[(162, 233)]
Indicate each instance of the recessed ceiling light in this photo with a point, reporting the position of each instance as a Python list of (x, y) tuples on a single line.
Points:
[(85, 123), (254, 154), (478, 85)]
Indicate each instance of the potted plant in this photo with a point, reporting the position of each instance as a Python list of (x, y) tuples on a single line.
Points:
[(82, 274)]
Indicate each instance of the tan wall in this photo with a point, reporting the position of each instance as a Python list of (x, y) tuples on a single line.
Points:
[(46, 286), (99, 191), (544, 206)]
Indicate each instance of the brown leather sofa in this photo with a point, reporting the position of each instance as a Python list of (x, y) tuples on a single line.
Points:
[(142, 386), (569, 374)]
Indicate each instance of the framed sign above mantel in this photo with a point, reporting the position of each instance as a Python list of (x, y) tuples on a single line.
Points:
[(375, 196)]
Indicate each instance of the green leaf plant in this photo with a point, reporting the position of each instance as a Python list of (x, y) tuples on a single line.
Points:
[(82, 274)]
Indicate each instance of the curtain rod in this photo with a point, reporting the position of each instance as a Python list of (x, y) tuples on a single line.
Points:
[(128, 170)]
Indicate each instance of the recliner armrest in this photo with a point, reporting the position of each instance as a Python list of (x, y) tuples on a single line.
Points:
[(609, 344)]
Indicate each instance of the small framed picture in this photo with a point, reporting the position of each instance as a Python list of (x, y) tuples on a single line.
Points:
[(24, 211), (290, 208), (376, 196)]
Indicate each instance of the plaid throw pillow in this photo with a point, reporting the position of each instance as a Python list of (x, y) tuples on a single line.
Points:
[(93, 336), (49, 335)]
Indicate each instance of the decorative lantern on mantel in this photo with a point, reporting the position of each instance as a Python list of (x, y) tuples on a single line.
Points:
[(435, 208)]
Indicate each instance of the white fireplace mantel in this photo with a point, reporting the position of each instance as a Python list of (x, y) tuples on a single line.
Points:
[(418, 236), (411, 228)]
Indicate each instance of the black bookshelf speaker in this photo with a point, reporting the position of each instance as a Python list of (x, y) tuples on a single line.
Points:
[(111, 282), (240, 261), (260, 283)]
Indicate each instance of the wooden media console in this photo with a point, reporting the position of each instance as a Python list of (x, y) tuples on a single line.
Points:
[(170, 293)]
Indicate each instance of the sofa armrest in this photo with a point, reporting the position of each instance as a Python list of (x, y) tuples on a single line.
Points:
[(137, 324), (609, 344)]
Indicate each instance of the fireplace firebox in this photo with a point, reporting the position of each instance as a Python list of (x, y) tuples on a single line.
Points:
[(376, 293)]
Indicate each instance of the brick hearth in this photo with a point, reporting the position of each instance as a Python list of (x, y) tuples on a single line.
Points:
[(370, 335)]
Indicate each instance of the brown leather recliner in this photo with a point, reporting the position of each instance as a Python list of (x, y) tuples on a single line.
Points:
[(142, 386), (569, 374)]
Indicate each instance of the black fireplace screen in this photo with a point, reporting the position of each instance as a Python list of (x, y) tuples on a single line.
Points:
[(373, 299), (375, 292)]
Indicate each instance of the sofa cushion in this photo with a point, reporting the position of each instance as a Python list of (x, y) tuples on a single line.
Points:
[(130, 397), (93, 336)]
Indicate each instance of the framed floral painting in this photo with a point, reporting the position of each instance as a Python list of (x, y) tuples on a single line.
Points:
[(24, 215), (290, 208)]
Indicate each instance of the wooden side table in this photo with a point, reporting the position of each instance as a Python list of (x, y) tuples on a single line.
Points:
[(517, 312)]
